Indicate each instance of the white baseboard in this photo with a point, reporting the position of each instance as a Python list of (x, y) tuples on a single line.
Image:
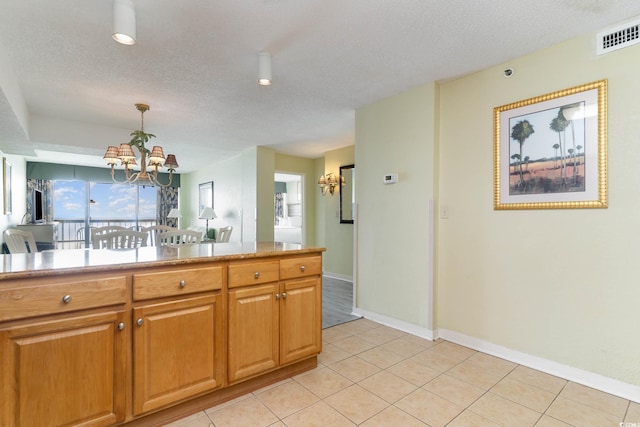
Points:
[(409, 328), (589, 379), (338, 276)]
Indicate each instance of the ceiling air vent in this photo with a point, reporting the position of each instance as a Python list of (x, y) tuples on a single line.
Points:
[(615, 38)]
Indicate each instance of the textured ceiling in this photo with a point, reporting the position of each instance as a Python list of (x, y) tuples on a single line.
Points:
[(67, 87)]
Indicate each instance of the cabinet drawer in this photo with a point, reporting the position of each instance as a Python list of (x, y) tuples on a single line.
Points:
[(300, 267), (253, 273), (176, 282), (27, 300)]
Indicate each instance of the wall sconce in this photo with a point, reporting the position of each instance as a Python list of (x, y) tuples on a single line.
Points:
[(328, 183)]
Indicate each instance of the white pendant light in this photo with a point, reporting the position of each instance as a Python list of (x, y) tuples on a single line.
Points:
[(264, 69), (124, 22)]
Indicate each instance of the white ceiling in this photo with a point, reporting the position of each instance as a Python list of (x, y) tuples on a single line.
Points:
[(68, 89)]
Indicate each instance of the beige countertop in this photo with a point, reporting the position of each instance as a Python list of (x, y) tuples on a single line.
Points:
[(65, 261)]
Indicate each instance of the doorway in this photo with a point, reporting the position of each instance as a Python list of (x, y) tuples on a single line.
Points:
[(288, 199)]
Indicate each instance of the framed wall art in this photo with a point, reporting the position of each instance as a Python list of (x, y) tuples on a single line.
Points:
[(550, 152), (6, 173), (205, 195)]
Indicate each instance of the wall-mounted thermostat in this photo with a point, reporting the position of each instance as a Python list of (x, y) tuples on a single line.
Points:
[(391, 178)]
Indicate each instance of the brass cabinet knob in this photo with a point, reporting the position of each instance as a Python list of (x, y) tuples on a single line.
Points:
[(284, 295), (302, 268), (256, 274), (120, 326), (183, 283)]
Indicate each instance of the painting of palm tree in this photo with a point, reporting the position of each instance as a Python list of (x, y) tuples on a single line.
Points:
[(550, 151), (548, 140), (520, 132)]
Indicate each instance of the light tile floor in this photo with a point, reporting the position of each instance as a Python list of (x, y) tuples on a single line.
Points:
[(373, 375)]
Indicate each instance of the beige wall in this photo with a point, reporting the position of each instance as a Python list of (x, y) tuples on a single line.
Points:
[(320, 215), (265, 184), (559, 284), (306, 168), (557, 289), (338, 238), (396, 135)]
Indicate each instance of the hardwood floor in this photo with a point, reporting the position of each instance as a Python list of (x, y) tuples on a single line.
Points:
[(337, 302)]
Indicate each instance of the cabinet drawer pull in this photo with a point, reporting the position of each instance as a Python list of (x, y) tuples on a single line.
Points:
[(284, 295), (256, 274), (120, 326), (302, 268), (277, 296), (183, 283), (66, 299), (139, 322)]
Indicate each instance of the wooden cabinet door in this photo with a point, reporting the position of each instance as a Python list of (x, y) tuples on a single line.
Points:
[(300, 319), (177, 351), (64, 372), (253, 331)]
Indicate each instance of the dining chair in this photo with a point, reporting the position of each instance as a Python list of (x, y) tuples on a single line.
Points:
[(102, 230), (154, 230), (19, 241), (179, 238), (224, 233), (121, 239), (80, 236)]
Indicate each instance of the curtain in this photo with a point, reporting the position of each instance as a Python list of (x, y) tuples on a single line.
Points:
[(167, 200), (46, 186), (279, 207)]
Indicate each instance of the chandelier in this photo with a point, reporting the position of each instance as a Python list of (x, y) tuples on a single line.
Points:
[(127, 158)]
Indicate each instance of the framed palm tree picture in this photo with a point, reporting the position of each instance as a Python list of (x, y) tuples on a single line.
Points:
[(550, 152)]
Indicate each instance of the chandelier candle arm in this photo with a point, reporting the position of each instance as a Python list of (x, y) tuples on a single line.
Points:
[(127, 158)]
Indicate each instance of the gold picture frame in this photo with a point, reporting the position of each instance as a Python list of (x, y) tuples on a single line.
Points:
[(564, 164), (6, 173)]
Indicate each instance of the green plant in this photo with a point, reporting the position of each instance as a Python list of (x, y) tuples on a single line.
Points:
[(140, 138)]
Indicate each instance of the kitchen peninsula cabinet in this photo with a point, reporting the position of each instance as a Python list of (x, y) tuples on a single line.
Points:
[(142, 337), (68, 371), (275, 323), (61, 340), (177, 343), (300, 313)]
